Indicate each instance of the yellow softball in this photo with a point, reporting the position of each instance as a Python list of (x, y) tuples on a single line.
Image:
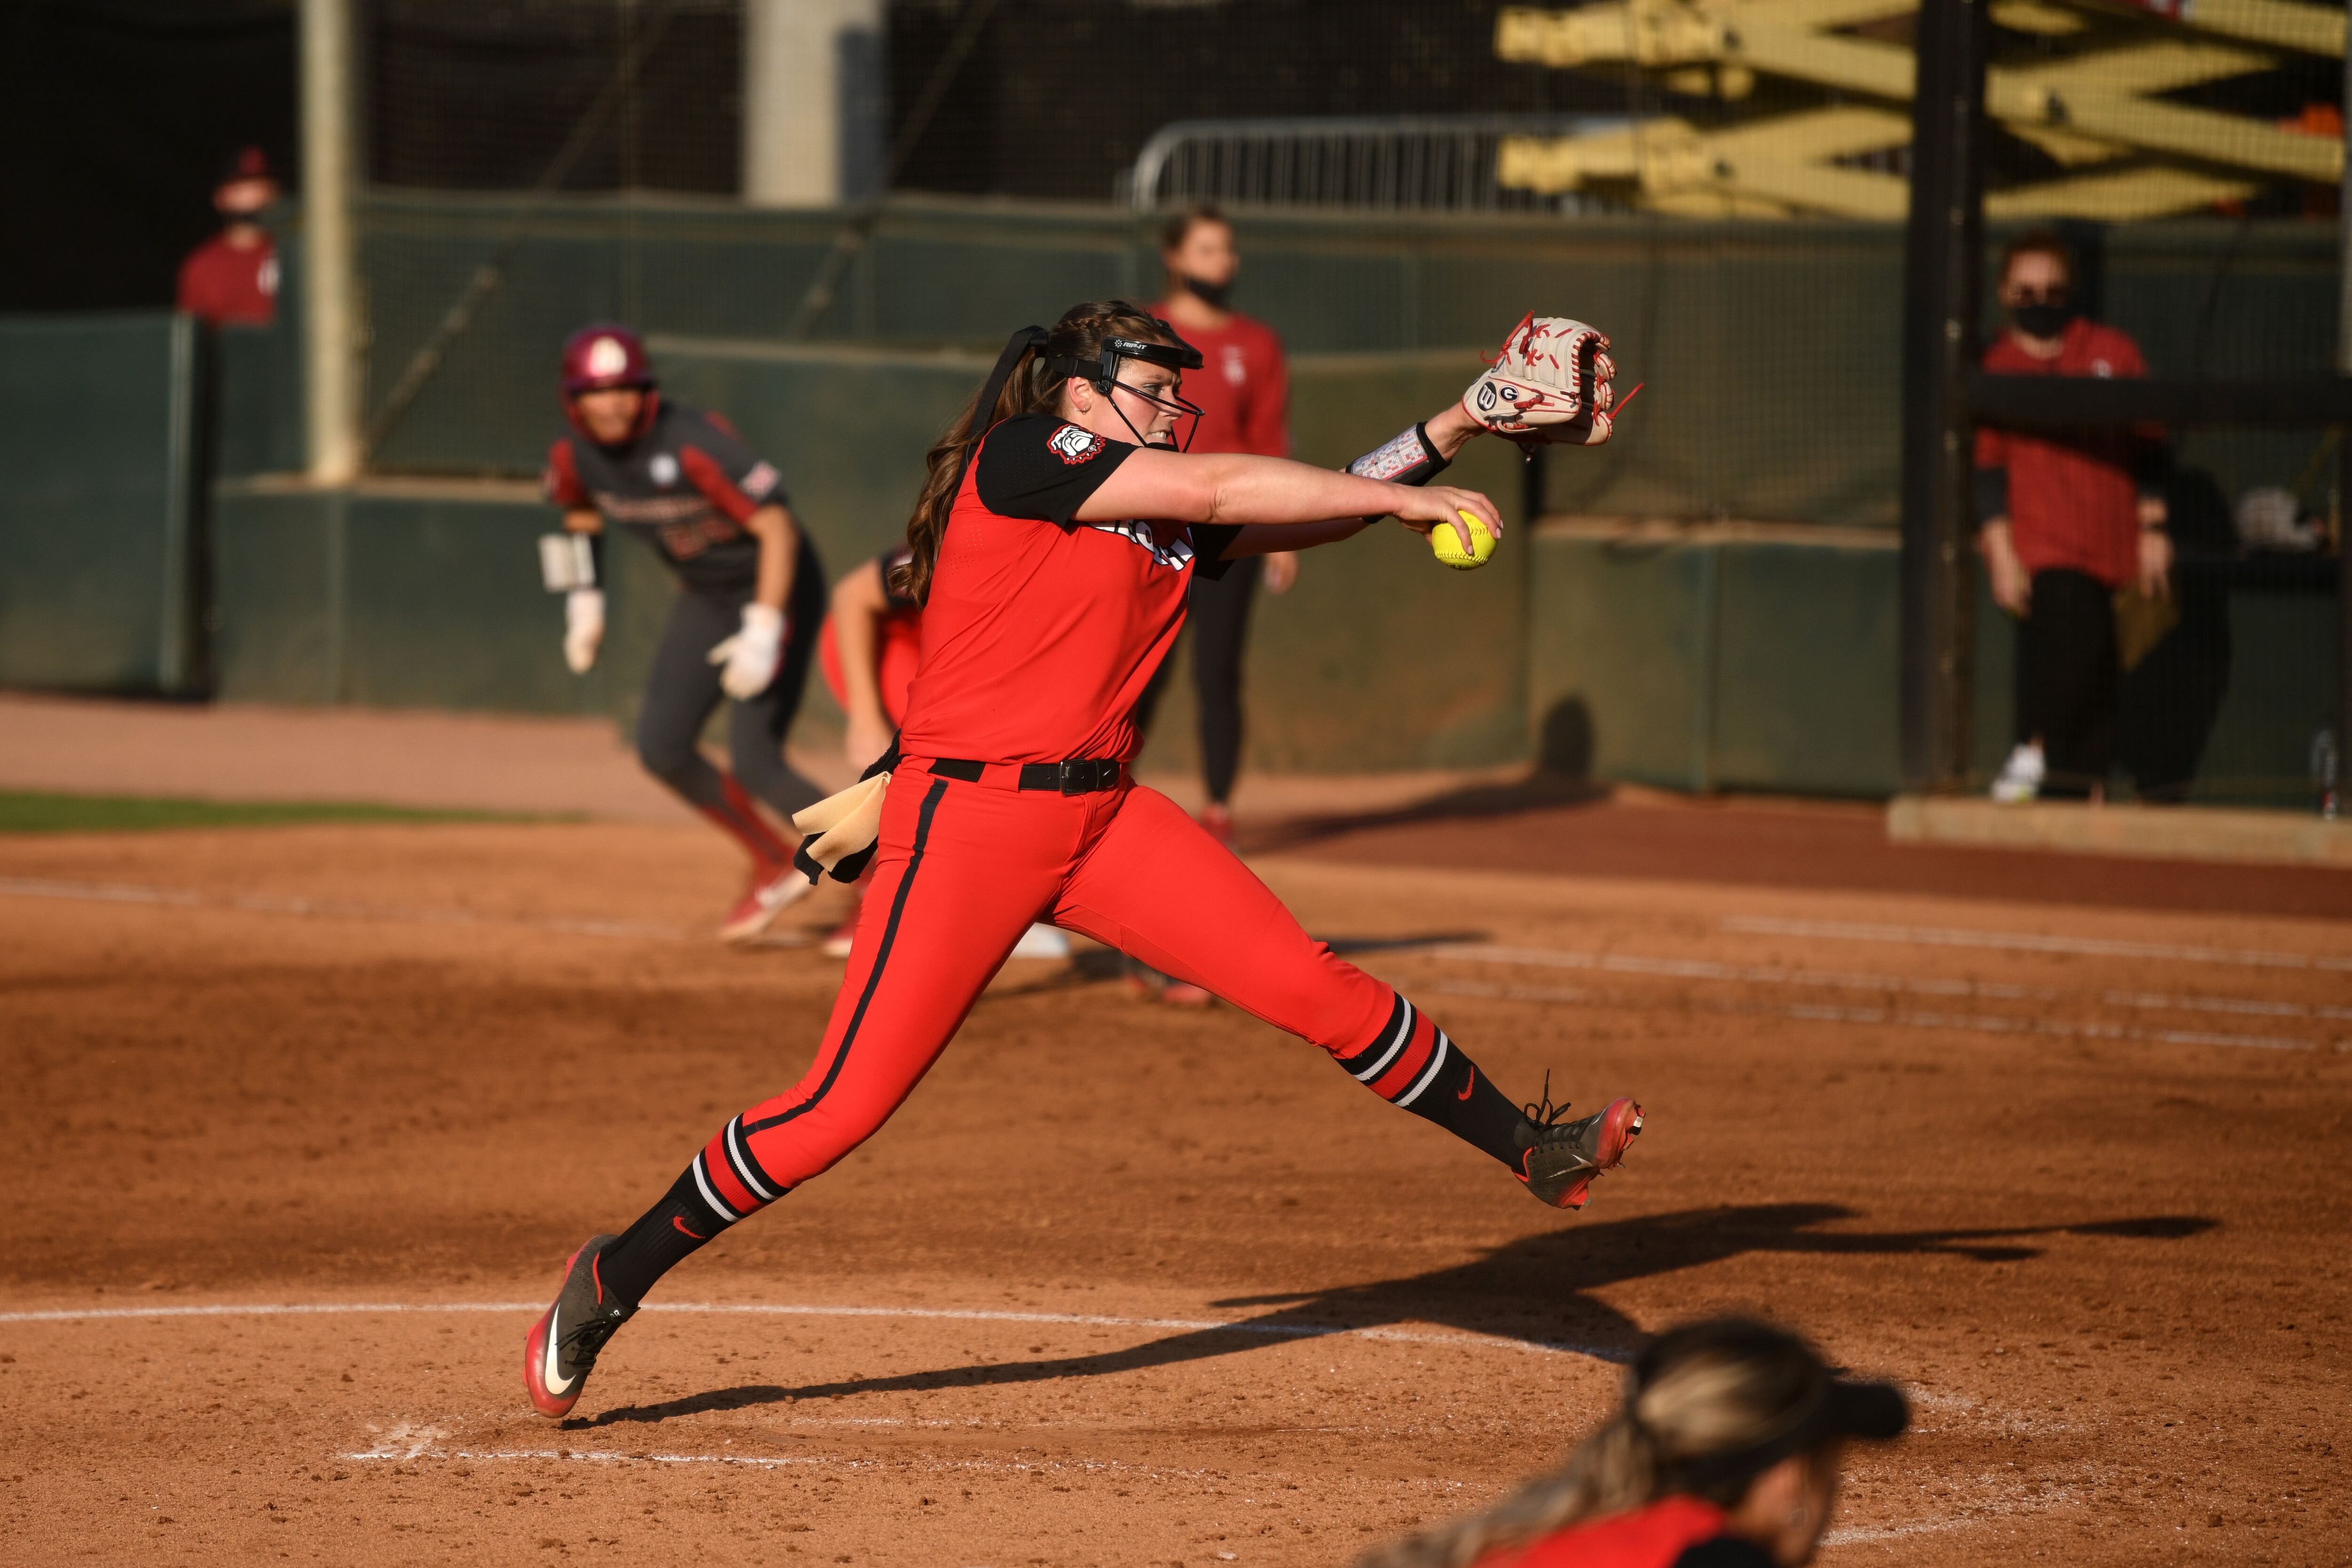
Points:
[(1447, 544)]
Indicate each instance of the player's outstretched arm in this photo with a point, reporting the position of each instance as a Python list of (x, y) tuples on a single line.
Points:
[(1433, 444), (1271, 492)]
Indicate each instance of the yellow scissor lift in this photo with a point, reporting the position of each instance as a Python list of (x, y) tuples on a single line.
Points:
[(2096, 105)]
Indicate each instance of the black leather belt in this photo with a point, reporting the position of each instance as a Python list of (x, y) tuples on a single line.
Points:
[(1079, 776)]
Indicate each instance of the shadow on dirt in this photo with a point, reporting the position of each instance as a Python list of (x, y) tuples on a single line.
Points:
[(1537, 1291), (1535, 792)]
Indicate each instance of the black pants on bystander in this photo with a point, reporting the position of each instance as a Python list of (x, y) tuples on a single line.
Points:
[(2066, 679)]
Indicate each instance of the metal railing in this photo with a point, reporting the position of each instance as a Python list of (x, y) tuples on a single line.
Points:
[(1382, 164)]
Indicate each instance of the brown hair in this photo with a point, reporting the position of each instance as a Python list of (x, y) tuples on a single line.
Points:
[(1701, 1392), (1179, 227), (2040, 242), (1032, 388)]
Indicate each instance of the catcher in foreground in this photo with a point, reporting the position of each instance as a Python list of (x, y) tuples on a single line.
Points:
[(1006, 798)]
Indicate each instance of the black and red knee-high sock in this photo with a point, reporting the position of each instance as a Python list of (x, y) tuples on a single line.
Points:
[(722, 1185), (1411, 1063), (742, 822)]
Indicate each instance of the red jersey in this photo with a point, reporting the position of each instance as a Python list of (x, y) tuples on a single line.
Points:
[(1041, 631), (1243, 389), (230, 286), (2072, 502), (897, 642), (1684, 1529)]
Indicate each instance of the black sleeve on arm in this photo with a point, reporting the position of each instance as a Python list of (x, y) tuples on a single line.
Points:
[(2151, 465), (1210, 542), (1038, 465), (1991, 487)]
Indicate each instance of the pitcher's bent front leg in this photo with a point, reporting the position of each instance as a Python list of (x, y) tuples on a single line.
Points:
[(960, 873)]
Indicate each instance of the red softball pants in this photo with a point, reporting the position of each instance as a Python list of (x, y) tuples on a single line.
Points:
[(960, 871)]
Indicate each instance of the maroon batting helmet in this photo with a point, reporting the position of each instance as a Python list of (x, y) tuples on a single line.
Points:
[(605, 355), (608, 355)]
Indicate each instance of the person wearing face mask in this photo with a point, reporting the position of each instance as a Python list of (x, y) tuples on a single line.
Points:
[(231, 279), (2065, 521), (1726, 1454), (1244, 391)]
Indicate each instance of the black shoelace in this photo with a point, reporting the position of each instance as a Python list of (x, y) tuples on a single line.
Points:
[(1545, 1116), (587, 1338)]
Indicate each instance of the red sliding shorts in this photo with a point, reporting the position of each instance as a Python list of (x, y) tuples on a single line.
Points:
[(960, 871)]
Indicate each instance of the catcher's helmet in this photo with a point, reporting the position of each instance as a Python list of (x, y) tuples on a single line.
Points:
[(606, 355)]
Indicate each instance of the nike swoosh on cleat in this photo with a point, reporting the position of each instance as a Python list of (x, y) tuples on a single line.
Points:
[(556, 1385)]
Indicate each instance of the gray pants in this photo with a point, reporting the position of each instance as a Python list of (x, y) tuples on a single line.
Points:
[(683, 688)]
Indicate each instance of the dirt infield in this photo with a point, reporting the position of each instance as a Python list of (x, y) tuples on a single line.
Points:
[(300, 1123)]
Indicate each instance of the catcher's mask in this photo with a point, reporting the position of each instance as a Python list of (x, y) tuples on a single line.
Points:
[(1103, 371)]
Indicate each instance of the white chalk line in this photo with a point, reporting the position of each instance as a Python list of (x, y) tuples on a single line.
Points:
[(1851, 1535), (1984, 1023), (1848, 980), (939, 1314), (2027, 941), (320, 909)]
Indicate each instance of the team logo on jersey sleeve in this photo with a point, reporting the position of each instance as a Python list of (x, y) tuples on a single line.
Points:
[(1074, 445)]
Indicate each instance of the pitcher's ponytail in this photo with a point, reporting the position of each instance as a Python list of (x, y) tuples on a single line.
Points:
[(1021, 384)]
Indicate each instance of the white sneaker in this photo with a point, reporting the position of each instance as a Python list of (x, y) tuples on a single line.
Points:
[(2020, 778), (1042, 942)]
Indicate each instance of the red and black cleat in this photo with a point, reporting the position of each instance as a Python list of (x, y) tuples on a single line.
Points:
[(561, 1350), (1558, 1159)]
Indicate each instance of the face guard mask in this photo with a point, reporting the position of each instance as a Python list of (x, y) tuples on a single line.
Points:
[(2043, 318), (1212, 294), (1103, 371)]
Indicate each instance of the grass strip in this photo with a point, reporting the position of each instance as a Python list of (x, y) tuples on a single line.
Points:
[(39, 811)]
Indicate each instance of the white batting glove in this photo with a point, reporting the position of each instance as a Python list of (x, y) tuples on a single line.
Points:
[(1548, 383), (752, 655), (584, 628)]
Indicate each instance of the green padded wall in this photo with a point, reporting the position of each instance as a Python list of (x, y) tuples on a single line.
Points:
[(390, 595), (1709, 661), (424, 594), (99, 517)]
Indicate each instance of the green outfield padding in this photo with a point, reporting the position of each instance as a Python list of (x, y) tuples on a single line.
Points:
[(390, 595), (98, 513), (417, 594), (1769, 349), (31, 811), (1703, 661)]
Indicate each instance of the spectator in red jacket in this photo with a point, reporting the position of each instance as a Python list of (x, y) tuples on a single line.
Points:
[(1725, 1455), (1244, 391), (232, 277), (2065, 521)]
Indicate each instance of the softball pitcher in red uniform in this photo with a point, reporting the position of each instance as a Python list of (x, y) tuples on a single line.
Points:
[(1046, 606)]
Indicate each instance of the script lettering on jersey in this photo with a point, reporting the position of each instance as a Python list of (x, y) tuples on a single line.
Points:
[(1176, 554)]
